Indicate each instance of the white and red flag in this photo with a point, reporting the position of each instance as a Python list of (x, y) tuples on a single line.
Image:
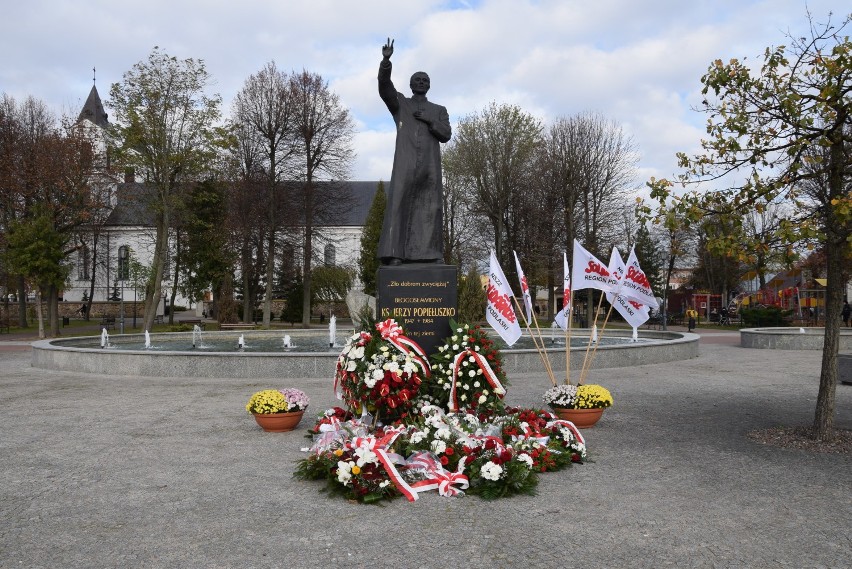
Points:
[(635, 285), (525, 289), (588, 272), (499, 312), (561, 317), (633, 313)]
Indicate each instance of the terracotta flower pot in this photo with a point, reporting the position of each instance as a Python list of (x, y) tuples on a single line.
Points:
[(278, 422), (582, 418)]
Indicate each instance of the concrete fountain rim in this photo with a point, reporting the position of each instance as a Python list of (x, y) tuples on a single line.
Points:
[(55, 354)]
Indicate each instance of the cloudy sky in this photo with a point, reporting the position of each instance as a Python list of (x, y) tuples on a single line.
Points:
[(635, 62)]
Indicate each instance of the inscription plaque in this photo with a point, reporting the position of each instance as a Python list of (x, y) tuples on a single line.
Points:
[(421, 298)]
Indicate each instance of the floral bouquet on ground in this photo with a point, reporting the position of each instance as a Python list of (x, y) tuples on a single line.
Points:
[(587, 396), (271, 401), (467, 372), (380, 371), (450, 453)]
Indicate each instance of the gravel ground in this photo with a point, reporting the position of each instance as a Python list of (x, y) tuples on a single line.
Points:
[(102, 471)]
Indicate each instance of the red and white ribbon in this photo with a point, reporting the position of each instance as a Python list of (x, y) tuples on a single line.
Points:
[(437, 476), (379, 447), (570, 426), (489, 374), (392, 332)]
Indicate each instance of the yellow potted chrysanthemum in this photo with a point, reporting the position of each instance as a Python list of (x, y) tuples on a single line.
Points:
[(583, 405), (278, 410)]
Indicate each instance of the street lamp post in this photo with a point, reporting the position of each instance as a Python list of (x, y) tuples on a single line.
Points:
[(121, 319), (123, 258)]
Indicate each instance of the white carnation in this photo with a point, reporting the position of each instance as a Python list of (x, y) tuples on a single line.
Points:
[(438, 446), (526, 459), (418, 436), (491, 471)]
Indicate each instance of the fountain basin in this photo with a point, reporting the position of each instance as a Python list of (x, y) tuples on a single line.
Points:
[(83, 356), (789, 338)]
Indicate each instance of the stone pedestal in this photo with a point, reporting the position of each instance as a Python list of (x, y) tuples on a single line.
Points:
[(421, 298)]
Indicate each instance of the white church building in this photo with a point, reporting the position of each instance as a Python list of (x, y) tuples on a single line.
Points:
[(128, 231)]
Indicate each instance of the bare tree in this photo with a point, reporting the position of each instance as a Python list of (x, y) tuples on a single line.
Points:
[(264, 109), (496, 152), (323, 131), (23, 126), (590, 164), (467, 237), (762, 226)]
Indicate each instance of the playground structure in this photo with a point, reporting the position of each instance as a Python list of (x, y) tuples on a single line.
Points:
[(806, 304)]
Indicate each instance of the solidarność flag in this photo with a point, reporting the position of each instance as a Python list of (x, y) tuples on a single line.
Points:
[(499, 312)]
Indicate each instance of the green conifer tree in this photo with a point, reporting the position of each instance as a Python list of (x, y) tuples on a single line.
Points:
[(369, 262), (471, 298), (650, 259)]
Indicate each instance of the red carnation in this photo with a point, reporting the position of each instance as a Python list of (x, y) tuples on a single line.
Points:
[(445, 460), (449, 451)]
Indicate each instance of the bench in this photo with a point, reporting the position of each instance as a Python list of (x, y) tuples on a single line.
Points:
[(238, 326), (844, 368), (108, 322), (193, 322)]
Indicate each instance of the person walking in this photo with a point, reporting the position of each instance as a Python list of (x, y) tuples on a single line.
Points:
[(846, 313), (691, 315)]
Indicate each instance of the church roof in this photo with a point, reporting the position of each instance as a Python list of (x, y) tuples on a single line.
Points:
[(135, 204), (93, 110), (362, 198)]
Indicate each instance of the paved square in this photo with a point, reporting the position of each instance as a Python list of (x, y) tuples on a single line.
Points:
[(99, 471)]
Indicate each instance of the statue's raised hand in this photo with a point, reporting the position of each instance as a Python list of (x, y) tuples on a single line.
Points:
[(387, 49)]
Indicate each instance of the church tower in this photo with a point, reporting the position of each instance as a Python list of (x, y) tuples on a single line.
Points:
[(93, 110), (93, 120)]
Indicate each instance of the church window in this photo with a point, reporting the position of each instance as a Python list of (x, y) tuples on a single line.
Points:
[(330, 255)]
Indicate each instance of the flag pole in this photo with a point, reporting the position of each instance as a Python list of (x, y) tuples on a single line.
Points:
[(589, 344), (570, 316), (592, 357), (541, 340), (544, 360)]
